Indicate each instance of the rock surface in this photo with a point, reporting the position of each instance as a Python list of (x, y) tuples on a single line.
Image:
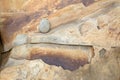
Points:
[(104, 68), (71, 25), (83, 42), (33, 70), (69, 57)]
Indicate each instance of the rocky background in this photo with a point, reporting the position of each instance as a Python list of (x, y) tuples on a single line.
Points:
[(81, 40)]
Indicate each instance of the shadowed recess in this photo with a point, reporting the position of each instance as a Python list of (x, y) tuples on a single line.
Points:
[(87, 2), (60, 60)]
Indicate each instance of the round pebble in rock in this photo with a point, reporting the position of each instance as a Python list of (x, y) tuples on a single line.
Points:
[(44, 26)]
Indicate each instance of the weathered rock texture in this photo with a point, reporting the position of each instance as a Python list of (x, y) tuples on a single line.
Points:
[(106, 68), (82, 42), (71, 25), (35, 70)]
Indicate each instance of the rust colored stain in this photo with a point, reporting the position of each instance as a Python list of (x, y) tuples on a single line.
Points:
[(65, 62)]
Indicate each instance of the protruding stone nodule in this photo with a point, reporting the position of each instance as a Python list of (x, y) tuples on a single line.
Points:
[(102, 52), (44, 25), (20, 39)]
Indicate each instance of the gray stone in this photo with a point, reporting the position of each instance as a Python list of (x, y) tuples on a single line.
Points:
[(44, 26), (20, 39)]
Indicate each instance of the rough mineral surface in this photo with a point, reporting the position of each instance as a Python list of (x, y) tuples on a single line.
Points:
[(34, 70), (106, 67), (79, 41)]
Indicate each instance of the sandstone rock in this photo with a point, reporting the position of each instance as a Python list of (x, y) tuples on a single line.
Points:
[(69, 57), (66, 29), (33, 70), (13, 62), (11, 5), (106, 68), (83, 34)]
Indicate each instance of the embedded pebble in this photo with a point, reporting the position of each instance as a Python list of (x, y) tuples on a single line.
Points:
[(44, 26)]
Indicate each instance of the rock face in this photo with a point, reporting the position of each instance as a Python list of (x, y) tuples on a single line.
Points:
[(62, 40), (35, 70), (105, 68)]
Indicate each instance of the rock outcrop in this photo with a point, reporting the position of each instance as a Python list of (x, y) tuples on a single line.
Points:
[(107, 67), (62, 40)]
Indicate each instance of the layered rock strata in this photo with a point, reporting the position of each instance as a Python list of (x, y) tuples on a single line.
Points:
[(71, 40)]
